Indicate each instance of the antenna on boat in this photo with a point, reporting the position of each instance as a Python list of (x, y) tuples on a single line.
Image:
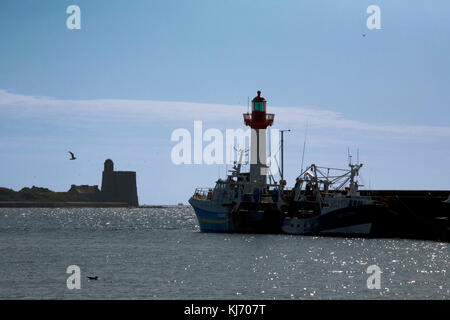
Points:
[(304, 146), (349, 156), (357, 155)]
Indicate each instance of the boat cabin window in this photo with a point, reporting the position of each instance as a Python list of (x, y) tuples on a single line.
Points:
[(220, 185)]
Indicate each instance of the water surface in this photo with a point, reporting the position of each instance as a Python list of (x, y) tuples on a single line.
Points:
[(159, 253)]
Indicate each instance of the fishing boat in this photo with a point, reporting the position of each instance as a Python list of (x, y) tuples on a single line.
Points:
[(324, 201)]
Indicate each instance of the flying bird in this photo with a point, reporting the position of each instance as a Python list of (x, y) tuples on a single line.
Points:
[(92, 278), (363, 34), (72, 155)]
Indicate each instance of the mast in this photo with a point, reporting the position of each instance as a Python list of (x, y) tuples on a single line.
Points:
[(282, 153)]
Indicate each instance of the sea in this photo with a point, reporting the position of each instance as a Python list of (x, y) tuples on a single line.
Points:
[(160, 253)]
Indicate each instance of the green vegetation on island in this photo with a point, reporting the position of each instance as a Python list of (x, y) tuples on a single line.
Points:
[(38, 194)]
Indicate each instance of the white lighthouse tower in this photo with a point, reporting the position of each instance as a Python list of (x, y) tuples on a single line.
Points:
[(258, 120)]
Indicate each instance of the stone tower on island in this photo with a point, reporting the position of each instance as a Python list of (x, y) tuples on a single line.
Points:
[(119, 185)]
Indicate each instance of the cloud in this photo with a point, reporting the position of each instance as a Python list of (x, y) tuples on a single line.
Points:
[(183, 113), (36, 132)]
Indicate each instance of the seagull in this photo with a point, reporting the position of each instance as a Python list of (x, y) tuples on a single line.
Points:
[(72, 155), (93, 278)]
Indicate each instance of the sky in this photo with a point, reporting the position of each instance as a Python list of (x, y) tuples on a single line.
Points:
[(137, 70)]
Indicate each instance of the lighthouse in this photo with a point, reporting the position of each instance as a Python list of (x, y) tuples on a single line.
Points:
[(258, 120)]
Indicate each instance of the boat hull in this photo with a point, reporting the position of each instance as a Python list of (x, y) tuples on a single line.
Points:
[(350, 221), (363, 221), (214, 216), (211, 216)]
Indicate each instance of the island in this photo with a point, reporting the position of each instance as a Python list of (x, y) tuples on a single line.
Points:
[(118, 189)]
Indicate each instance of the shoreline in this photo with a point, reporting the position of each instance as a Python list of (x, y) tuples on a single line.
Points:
[(76, 204)]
